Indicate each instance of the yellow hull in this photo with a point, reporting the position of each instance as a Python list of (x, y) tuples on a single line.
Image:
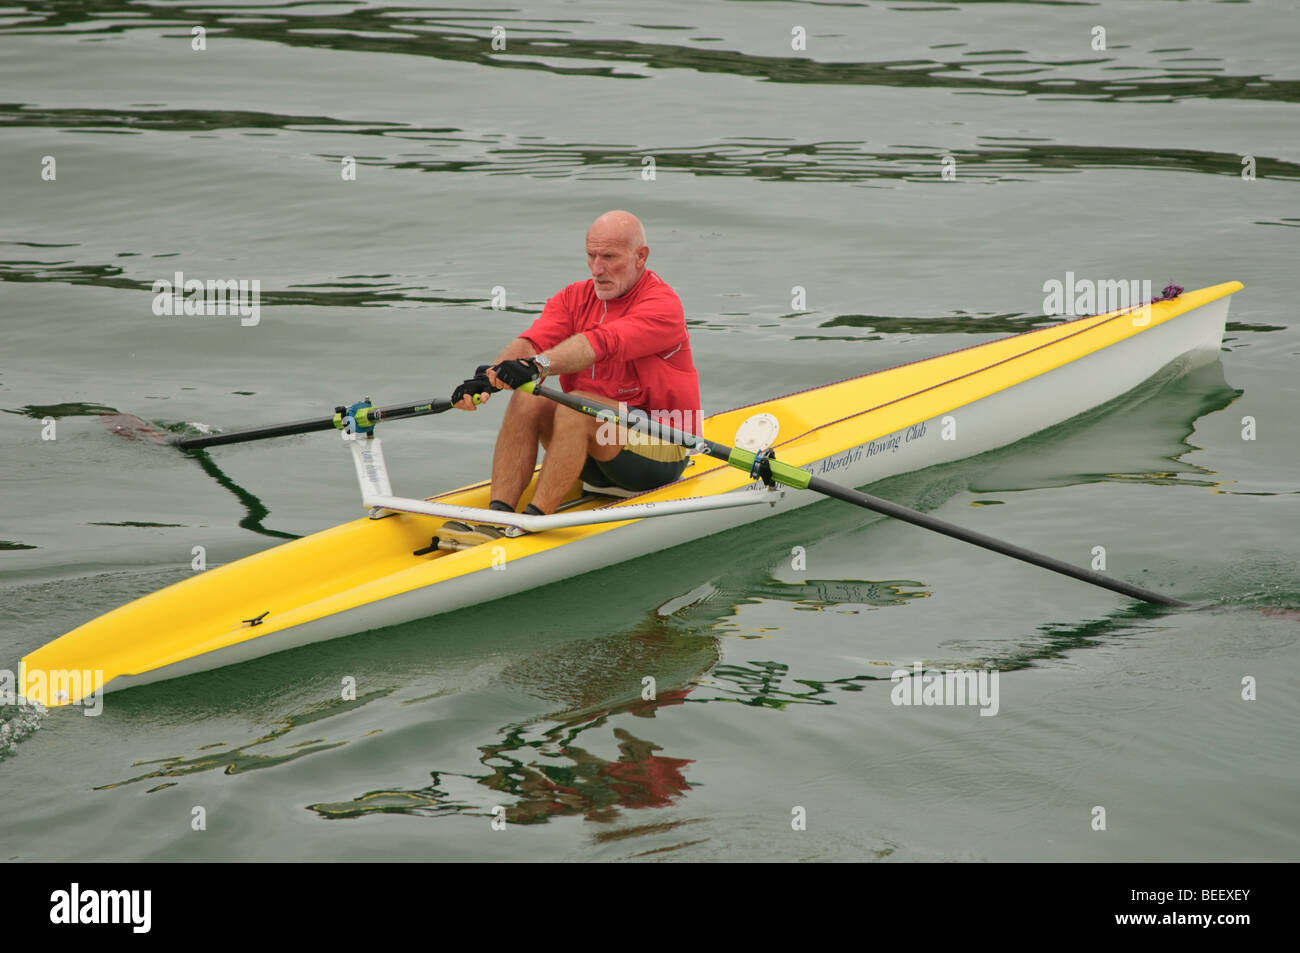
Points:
[(362, 575)]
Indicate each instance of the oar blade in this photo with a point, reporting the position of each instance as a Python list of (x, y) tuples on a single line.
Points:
[(131, 427)]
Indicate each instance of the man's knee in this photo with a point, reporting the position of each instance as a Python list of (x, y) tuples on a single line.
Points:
[(530, 406), (604, 443), (570, 420)]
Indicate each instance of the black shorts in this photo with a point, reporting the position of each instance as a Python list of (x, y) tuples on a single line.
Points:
[(643, 464)]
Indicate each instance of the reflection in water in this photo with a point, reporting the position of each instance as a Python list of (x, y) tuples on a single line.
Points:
[(549, 767), (239, 759), (376, 291), (60, 411), (814, 595), (963, 322), (540, 765), (768, 159), (357, 294), (538, 44), (1139, 437), (575, 781), (255, 509), (546, 774), (793, 161)]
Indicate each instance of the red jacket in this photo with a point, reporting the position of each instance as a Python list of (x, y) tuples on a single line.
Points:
[(643, 352)]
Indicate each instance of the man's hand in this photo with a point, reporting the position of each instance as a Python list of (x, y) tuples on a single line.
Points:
[(516, 373), (472, 392)]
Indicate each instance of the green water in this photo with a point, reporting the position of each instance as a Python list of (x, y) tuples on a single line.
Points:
[(774, 168)]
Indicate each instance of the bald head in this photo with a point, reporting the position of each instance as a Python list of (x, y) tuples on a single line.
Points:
[(616, 253), (618, 226)]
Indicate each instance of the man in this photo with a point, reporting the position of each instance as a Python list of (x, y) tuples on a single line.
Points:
[(618, 337)]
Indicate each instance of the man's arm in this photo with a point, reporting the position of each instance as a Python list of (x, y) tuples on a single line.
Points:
[(519, 347), (554, 321), (568, 357), (571, 355)]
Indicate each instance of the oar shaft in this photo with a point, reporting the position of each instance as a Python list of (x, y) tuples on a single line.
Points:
[(867, 501), (633, 419), (395, 412), (255, 433)]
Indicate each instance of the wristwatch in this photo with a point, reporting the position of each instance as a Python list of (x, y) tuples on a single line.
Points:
[(544, 363)]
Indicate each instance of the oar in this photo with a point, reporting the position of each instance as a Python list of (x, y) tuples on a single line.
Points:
[(364, 415), (793, 476)]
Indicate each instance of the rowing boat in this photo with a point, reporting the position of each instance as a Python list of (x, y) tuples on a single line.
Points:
[(385, 568)]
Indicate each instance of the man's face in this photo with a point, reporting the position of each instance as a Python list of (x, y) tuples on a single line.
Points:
[(614, 266)]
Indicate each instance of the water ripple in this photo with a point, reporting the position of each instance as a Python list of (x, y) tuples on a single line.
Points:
[(545, 44)]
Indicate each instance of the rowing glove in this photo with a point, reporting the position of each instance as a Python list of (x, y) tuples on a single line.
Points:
[(476, 385), (518, 372)]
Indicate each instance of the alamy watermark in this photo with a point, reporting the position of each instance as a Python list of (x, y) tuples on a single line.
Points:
[(975, 687), (129, 907), (659, 426), (1083, 296), (84, 687), (216, 296)]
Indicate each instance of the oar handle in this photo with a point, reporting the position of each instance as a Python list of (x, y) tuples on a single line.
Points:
[(335, 422)]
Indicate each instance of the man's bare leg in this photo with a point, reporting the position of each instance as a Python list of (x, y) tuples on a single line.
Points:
[(527, 420), (572, 438)]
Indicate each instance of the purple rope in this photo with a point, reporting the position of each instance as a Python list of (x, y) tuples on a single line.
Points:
[(1170, 292)]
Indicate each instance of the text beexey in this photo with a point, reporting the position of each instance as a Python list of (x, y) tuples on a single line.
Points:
[(1160, 896)]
